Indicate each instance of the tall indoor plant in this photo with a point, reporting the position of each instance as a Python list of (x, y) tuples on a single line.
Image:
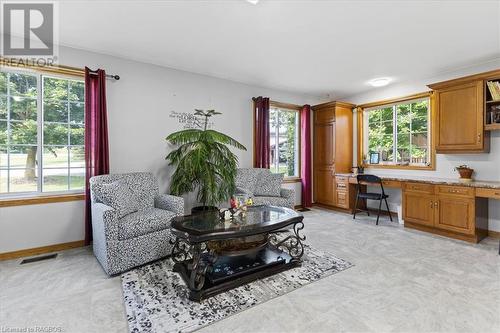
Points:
[(203, 162)]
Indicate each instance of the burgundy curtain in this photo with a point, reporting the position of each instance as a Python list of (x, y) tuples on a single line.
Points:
[(96, 136), (261, 133), (305, 155)]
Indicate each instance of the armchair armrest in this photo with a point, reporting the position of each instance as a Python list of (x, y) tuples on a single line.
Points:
[(170, 202), (287, 193), (104, 222)]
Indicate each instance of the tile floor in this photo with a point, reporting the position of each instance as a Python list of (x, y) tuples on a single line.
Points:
[(403, 281)]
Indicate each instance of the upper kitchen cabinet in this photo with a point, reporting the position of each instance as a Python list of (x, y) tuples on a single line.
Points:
[(459, 117), (459, 114)]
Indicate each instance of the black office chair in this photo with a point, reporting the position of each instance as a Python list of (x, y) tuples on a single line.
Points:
[(370, 180)]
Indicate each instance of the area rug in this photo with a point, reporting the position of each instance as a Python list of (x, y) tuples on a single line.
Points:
[(156, 299)]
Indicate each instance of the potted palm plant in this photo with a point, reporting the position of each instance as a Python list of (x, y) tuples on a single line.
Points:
[(203, 162)]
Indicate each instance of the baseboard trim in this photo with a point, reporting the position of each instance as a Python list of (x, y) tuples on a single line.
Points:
[(450, 234), (349, 211), (41, 250), (335, 208), (494, 234)]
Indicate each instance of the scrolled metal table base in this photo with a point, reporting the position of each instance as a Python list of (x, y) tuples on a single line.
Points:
[(199, 261), (292, 243)]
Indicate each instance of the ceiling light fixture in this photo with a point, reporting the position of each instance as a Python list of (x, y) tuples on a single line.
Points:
[(380, 82), (253, 2)]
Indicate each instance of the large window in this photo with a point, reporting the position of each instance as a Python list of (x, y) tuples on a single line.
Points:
[(41, 133), (398, 134), (284, 141)]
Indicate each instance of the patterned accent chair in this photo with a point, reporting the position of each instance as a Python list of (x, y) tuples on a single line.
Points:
[(121, 243), (254, 181)]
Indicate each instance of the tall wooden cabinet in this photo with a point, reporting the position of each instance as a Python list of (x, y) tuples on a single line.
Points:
[(332, 149)]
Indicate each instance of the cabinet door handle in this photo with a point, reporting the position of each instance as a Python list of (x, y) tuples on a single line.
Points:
[(479, 138), (436, 204), (432, 204)]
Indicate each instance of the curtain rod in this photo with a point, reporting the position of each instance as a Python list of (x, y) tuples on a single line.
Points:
[(110, 76), (58, 69)]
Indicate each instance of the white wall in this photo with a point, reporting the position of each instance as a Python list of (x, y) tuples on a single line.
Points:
[(139, 107), (486, 166), (24, 227)]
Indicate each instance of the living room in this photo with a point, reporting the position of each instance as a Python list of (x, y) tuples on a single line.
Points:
[(324, 94)]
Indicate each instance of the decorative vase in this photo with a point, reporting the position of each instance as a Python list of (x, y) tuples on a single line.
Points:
[(465, 173)]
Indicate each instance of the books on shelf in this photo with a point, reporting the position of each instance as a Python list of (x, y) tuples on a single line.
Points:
[(494, 88)]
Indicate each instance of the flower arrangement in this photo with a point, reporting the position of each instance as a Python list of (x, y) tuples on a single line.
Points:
[(239, 205)]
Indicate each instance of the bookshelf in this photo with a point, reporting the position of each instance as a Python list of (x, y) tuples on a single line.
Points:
[(492, 104)]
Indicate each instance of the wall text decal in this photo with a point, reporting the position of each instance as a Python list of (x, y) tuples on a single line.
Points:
[(189, 120)]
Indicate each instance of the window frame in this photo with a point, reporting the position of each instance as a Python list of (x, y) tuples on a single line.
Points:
[(291, 108), (59, 196), (361, 134)]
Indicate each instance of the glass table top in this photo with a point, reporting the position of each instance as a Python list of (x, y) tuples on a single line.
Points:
[(256, 217)]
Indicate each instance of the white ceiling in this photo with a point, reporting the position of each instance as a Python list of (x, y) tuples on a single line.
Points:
[(315, 47)]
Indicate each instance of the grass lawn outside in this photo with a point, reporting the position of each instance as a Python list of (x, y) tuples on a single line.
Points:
[(55, 176)]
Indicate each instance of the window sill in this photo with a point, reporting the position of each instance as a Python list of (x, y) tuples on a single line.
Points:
[(401, 167), (37, 200), (292, 180)]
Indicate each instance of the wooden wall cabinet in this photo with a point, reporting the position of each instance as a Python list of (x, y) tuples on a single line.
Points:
[(460, 118), (332, 150), (451, 211), (459, 114)]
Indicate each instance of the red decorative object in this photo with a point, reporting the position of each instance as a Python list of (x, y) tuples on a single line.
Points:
[(465, 172), (233, 202)]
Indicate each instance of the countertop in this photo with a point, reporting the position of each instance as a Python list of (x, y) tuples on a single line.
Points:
[(435, 180)]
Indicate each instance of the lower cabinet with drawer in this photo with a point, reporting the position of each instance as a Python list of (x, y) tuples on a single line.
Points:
[(451, 211), (343, 193)]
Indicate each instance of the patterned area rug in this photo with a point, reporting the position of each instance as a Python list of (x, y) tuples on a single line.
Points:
[(156, 298)]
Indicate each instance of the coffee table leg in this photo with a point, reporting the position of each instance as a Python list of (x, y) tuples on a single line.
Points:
[(201, 264), (292, 244), (180, 250)]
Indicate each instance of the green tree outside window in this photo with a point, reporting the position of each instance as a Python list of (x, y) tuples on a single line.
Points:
[(62, 131), (399, 133)]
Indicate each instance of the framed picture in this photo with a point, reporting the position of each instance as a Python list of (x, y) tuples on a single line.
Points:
[(374, 158)]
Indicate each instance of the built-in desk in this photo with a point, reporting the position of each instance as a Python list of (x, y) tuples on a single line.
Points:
[(396, 182), (444, 206)]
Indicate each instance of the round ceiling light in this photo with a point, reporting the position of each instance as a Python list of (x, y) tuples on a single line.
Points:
[(380, 82)]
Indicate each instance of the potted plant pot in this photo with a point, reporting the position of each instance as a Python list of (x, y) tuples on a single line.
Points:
[(465, 173), (203, 209)]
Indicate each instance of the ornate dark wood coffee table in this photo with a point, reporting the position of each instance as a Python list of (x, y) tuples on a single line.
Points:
[(213, 255)]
